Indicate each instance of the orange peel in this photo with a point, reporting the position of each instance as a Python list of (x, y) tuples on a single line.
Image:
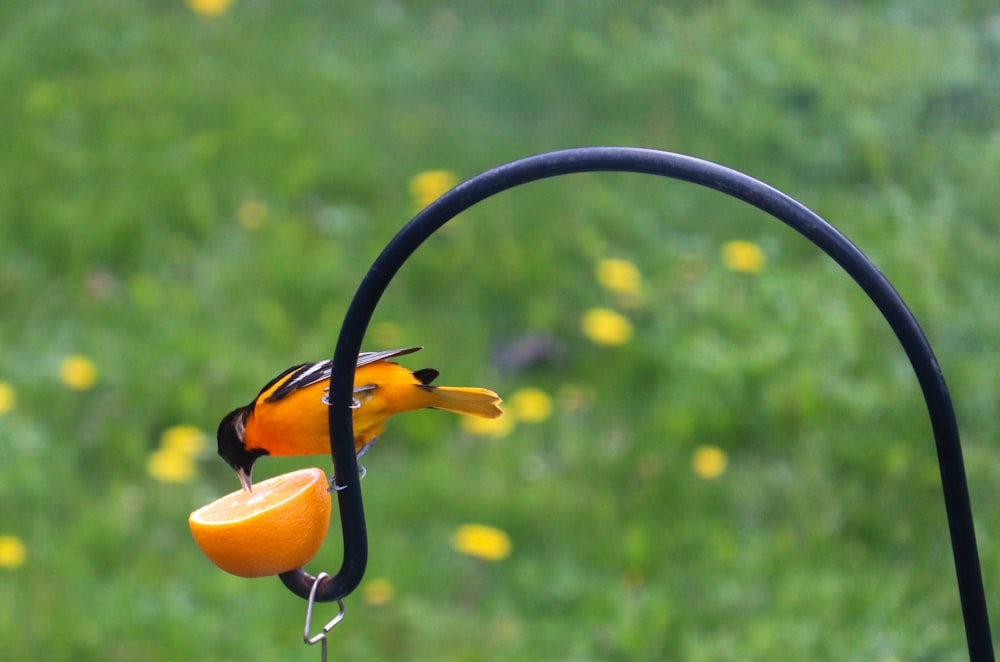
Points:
[(277, 527)]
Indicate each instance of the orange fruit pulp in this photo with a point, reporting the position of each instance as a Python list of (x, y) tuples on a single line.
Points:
[(276, 528)]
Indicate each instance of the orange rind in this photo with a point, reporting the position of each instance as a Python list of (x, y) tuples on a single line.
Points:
[(277, 527)]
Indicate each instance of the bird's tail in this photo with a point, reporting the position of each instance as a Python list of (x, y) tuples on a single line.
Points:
[(465, 400)]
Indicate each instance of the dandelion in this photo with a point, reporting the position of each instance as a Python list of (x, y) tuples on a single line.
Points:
[(743, 256), (174, 461), (606, 327), (489, 427), (709, 462), (8, 398), (379, 591), (171, 466), (210, 7), (12, 552), (430, 185), (482, 542), (251, 215), (619, 276), (183, 439), (531, 405), (78, 372)]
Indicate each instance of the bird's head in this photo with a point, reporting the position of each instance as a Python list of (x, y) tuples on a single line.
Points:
[(232, 447)]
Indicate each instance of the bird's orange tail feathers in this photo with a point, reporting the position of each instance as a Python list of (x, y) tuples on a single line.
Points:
[(464, 400)]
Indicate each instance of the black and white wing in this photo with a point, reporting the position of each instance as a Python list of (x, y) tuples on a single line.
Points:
[(307, 374)]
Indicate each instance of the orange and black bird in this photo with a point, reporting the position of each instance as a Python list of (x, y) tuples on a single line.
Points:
[(290, 414)]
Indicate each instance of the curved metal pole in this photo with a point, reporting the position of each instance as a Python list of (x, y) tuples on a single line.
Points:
[(696, 171)]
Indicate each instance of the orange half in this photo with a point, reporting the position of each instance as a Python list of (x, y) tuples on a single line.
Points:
[(276, 528)]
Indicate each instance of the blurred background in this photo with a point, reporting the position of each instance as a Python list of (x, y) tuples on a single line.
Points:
[(715, 448)]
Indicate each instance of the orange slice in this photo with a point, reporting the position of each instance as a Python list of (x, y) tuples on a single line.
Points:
[(276, 528)]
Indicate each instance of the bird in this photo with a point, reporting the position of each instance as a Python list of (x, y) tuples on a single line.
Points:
[(290, 414)]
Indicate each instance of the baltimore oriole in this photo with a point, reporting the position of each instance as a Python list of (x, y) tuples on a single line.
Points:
[(289, 416)]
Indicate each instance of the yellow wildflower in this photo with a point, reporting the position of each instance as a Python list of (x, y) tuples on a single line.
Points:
[(12, 552), (531, 405), (709, 462), (251, 214), (379, 591), (183, 439), (8, 397), (489, 427), (485, 543), (606, 327), (619, 276), (78, 372), (171, 466), (430, 185), (210, 7), (743, 256)]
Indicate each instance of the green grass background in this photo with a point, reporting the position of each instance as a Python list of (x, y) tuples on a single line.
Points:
[(132, 132)]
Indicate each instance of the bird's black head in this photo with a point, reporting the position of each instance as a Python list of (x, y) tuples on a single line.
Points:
[(233, 449)]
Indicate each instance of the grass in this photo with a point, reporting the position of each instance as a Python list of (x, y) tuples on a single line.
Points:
[(137, 135)]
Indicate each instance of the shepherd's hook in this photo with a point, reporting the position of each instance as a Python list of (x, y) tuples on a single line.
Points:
[(696, 171)]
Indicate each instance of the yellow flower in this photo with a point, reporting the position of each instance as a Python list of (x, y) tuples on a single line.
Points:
[(12, 552), (78, 372), (485, 543), (709, 462), (489, 427), (531, 405), (171, 466), (379, 591), (209, 7), (743, 256), (8, 398), (251, 214), (619, 276), (430, 185), (606, 327), (183, 439)]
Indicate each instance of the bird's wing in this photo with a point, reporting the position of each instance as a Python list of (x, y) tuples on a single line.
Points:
[(298, 377), (307, 374), (373, 357)]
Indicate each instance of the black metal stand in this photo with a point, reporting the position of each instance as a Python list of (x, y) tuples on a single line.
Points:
[(697, 171)]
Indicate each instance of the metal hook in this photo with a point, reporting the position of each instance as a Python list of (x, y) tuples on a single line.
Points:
[(320, 638), (336, 487), (355, 403)]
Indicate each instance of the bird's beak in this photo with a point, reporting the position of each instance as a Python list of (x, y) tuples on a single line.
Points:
[(245, 480)]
